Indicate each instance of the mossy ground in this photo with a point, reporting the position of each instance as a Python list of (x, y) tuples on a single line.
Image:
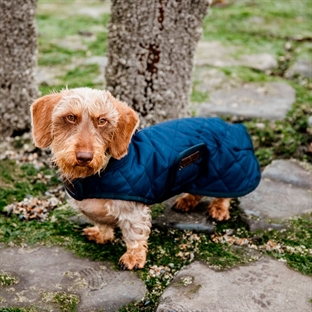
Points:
[(289, 138)]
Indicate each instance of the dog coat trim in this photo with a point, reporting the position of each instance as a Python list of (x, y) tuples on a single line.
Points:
[(203, 156)]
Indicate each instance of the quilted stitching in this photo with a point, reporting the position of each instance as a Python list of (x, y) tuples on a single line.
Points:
[(232, 166)]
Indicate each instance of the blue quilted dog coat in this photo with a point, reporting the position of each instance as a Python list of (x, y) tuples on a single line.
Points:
[(203, 156)]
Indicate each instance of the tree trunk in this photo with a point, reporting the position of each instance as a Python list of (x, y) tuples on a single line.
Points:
[(18, 45), (150, 55)]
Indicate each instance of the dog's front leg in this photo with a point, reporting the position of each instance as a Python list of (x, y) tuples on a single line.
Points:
[(100, 233), (99, 212), (135, 224)]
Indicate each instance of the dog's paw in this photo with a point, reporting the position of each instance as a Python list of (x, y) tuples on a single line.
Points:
[(133, 259), (186, 202), (94, 233), (219, 210)]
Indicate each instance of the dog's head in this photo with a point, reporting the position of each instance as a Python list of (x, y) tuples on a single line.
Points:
[(84, 128)]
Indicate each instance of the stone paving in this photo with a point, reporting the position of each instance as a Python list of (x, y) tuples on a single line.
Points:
[(300, 67), (271, 101), (285, 184), (44, 273), (266, 285), (215, 54), (285, 191)]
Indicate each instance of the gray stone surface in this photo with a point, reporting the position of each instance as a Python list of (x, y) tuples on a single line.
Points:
[(284, 191), (272, 101), (261, 61), (72, 43), (300, 67), (47, 75), (101, 61), (215, 54), (195, 220), (94, 12), (290, 171), (44, 271), (91, 8), (267, 285), (209, 79)]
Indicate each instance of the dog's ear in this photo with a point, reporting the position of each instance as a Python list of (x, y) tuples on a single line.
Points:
[(128, 121), (41, 116)]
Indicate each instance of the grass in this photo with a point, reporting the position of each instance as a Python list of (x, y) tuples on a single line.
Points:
[(253, 24), (273, 25), (17, 182)]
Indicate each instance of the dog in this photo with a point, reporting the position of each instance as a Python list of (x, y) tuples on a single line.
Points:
[(95, 141)]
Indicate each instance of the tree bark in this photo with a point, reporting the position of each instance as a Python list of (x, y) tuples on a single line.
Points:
[(150, 55), (18, 46)]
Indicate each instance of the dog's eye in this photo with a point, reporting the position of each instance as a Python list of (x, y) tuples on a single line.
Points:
[(71, 118), (102, 121)]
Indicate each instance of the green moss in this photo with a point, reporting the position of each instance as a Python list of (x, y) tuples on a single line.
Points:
[(66, 302), (7, 279), (157, 210), (51, 54), (194, 290), (6, 169), (51, 26), (81, 76), (30, 309), (99, 46), (29, 169), (54, 27), (199, 97), (246, 74), (216, 255), (296, 242)]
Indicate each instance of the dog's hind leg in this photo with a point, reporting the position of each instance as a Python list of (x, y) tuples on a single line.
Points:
[(187, 202), (219, 209)]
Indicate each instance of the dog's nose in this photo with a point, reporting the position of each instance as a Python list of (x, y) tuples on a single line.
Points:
[(83, 158)]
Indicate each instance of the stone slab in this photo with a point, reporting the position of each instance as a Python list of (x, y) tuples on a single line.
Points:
[(285, 191), (213, 53), (196, 220), (300, 67), (47, 75), (96, 11), (270, 101), (42, 271), (262, 61), (72, 43), (290, 171), (93, 9), (209, 79), (267, 285), (101, 61)]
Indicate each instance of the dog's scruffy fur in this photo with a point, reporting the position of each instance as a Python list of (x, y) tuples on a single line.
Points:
[(84, 128)]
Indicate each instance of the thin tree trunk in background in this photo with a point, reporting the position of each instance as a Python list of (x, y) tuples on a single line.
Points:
[(150, 55), (18, 46)]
